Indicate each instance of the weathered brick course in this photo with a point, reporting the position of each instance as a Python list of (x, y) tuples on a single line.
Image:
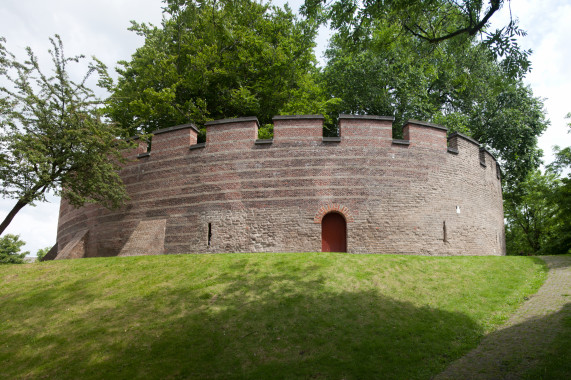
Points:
[(397, 196)]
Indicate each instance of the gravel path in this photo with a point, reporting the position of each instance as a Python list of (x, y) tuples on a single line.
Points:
[(510, 351)]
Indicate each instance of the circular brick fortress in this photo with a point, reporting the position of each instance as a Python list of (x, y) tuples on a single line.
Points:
[(426, 194)]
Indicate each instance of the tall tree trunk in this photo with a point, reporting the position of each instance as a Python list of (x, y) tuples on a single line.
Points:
[(19, 205)]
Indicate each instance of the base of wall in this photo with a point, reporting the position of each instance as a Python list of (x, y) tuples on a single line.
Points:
[(147, 239), (75, 249)]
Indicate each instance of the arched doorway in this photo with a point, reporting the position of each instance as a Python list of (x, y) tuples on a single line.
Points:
[(333, 233)]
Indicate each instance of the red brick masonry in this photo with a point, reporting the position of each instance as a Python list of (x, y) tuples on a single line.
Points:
[(423, 195)]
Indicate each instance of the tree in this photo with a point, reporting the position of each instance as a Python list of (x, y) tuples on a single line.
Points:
[(41, 253), (458, 82), (217, 59), (10, 246), (538, 211), (432, 21), (52, 135), (532, 215), (562, 196)]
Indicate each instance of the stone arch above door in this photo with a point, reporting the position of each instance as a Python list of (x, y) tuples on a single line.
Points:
[(333, 207)]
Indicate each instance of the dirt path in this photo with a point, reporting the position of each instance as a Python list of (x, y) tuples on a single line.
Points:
[(508, 352)]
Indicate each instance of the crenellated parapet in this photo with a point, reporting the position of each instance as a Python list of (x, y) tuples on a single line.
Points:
[(298, 130), (427, 193)]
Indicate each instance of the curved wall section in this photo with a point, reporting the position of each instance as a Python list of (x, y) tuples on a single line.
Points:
[(423, 195)]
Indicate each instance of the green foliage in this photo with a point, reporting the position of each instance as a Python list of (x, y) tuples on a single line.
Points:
[(41, 253), (538, 211), (212, 60), (52, 136), (510, 122), (10, 246), (562, 156), (266, 131), (430, 21), (458, 82), (254, 316), (217, 59), (562, 197), (531, 215)]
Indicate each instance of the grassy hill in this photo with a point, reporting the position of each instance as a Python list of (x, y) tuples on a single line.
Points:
[(254, 316)]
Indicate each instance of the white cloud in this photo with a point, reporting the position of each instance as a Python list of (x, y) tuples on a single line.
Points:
[(548, 27), (37, 226), (96, 28)]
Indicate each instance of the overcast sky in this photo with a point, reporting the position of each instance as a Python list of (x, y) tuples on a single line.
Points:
[(100, 28)]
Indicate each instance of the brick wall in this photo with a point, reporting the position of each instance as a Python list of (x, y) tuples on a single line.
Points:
[(398, 196)]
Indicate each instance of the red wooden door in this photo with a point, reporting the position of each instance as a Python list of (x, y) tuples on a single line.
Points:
[(333, 233)]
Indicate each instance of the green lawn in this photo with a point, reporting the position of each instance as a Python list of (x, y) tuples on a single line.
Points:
[(254, 316)]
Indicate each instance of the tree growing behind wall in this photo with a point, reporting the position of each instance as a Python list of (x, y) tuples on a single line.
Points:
[(468, 84), (52, 135), (431, 60), (218, 59)]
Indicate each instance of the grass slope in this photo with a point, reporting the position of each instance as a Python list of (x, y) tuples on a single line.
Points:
[(257, 316)]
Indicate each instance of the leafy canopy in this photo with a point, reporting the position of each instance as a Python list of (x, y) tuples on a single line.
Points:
[(532, 215), (377, 67), (217, 59), (435, 60), (538, 211), (52, 135), (431, 21), (562, 196)]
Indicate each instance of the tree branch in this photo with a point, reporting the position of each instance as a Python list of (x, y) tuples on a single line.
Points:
[(471, 29)]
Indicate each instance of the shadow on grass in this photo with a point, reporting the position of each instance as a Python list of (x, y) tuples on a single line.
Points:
[(231, 327), (536, 349), (558, 261)]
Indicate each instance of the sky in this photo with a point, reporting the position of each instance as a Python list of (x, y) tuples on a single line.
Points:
[(99, 28)]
